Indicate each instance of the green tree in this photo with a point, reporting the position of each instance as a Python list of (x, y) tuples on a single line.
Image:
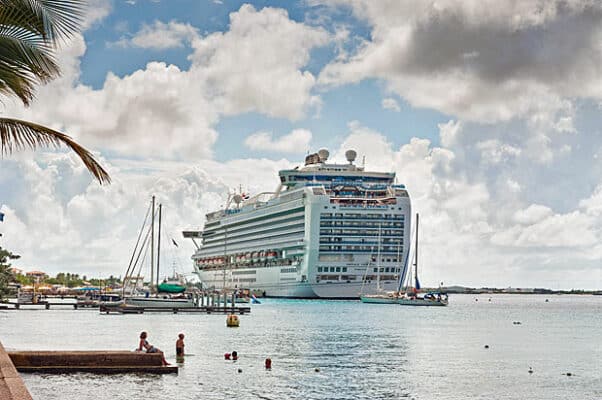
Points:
[(29, 33), (6, 275)]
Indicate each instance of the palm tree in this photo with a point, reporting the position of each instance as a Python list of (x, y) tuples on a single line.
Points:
[(29, 33)]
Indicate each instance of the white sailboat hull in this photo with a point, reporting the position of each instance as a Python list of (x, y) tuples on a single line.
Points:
[(158, 302), (422, 302)]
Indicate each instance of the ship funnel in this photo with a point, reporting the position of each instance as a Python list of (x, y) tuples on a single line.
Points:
[(323, 154), (350, 155)]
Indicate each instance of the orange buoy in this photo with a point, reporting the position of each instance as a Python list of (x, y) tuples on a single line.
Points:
[(232, 321)]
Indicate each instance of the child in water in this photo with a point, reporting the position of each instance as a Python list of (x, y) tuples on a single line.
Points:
[(180, 347)]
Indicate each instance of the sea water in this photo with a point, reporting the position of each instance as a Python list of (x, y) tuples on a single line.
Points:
[(337, 350)]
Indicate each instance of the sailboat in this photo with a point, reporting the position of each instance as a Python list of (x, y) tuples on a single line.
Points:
[(382, 297), (154, 296), (409, 296)]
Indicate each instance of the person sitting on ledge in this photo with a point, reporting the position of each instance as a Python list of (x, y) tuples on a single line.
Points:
[(145, 345)]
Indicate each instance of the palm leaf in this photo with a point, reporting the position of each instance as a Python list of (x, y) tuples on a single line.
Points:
[(16, 135), (29, 31), (50, 19), (23, 65)]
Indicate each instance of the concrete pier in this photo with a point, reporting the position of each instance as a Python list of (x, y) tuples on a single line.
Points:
[(12, 386), (104, 362)]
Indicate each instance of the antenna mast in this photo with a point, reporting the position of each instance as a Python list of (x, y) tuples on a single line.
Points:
[(152, 258), (159, 246)]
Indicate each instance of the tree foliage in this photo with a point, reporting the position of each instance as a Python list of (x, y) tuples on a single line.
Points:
[(29, 33), (6, 275)]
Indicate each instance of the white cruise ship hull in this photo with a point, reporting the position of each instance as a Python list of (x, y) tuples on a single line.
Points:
[(270, 282)]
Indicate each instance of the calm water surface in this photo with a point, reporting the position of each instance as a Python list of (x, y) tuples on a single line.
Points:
[(363, 351)]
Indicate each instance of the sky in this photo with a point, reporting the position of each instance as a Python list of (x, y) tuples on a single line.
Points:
[(489, 111)]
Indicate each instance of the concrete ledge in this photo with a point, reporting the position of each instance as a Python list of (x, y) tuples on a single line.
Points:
[(99, 370), (89, 361), (12, 386)]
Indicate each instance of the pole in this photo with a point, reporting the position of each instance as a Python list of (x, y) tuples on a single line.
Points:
[(159, 245), (152, 244), (416, 253), (378, 259), (225, 257)]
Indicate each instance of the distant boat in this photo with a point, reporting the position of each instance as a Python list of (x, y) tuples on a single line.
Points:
[(168, 294), (409, 296)]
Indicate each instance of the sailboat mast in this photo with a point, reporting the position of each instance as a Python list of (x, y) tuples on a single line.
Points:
[(416, 254), (152, 244), (159, 246), (378, 259)]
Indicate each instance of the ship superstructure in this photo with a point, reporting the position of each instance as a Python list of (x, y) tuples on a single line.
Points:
[(328, 231)]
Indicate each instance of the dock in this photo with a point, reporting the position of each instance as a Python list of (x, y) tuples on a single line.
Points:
[(45, 304), (12, 386), (120, 309), (98, 362)]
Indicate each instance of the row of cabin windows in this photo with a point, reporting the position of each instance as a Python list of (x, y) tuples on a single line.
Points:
[(363, 232), (384, 249), (344, 269), (362, 224), (387, 269), (349, 278), (362, 215), (332, 269), (393, 259), (337, 239)]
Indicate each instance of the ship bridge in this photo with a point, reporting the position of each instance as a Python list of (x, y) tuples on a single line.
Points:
[(317, 171)]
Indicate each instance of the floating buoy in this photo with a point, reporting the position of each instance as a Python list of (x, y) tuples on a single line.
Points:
[(227, 356), (568, 374), (547, 300), (476, 299), (486, 346), (234, 355), (268, 363), (490, 299), (232, 321), (317, 369), (239, 370)]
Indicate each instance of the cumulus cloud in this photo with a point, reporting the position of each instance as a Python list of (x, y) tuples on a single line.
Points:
[(257, 64), (91, 229), (297, 141), (469, 58), (164, 112), (160, 36), (390, 103), (478, 224)]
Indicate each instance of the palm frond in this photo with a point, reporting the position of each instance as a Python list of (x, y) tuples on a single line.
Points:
[(50, 19), (29, 31), (17, 134), (23, 65)]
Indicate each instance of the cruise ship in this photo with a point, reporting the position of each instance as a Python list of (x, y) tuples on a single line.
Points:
[(330, 231)]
